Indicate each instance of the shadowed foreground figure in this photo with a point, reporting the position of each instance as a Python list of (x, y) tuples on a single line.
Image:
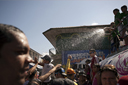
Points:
[(14, 55), (109, 75)]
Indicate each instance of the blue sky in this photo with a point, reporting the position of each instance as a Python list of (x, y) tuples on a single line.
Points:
[(37, 16)]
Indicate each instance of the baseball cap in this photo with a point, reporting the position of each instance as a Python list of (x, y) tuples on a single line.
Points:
[(47, 57), (123, 80), (70, 71), (61, 71)]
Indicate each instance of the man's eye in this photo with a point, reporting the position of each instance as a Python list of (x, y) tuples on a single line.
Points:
[(21, 52), (104, 78)]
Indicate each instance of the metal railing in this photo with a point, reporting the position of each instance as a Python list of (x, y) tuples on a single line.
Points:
[(118, 39)]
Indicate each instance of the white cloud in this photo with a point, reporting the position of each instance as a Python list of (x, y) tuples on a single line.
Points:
[(94, 23)]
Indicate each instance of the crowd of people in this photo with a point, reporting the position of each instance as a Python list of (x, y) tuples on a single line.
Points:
[(15, 59), (119, 28)]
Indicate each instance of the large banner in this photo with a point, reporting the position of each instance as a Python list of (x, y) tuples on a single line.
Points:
[(78, 56), (120, 61)]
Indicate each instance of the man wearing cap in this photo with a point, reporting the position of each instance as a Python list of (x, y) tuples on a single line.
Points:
[(60, 73), (47, 66), (83, 79)]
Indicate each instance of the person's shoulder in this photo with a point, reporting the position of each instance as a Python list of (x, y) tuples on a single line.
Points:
[(122, 14), (51, 64), (95, 56)]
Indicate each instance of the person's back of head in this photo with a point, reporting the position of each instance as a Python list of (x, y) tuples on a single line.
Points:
[(35, 82), (62, 81), (60, 73)]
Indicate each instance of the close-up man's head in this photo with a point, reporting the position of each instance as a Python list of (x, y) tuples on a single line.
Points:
[(92, 52), (109, 75), (14, 55)]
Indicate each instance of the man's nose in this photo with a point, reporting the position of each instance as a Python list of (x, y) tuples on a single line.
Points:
[(29, 59)]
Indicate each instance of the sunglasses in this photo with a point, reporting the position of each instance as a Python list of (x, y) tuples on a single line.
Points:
[(90, 52)]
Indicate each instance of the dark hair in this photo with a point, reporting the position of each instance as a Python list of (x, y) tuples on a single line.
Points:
[(6, 33), (116, 10), (124, 6), (97, 65), (35, 82), (109, 68), (112, 23), (92, 50), (88, 61), (33, 74)]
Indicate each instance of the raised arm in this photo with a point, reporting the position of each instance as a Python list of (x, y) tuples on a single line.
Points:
[(30, 71), (68, 63), (44, 77)]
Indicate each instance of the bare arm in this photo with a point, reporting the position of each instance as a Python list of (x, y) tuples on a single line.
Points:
[(42, 64), (30, 71), (68, 63), (44, 77)]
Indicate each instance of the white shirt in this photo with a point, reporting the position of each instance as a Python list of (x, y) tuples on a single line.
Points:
[(97, 60), (46, 69)]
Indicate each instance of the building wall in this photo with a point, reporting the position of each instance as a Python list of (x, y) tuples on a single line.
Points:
[(34, 54)]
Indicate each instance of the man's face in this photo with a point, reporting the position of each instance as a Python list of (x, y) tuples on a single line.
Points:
[(45, 61), (108, 78), (91, 53), (115, 12), (14, 60), (95, 69), (123, 10)]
